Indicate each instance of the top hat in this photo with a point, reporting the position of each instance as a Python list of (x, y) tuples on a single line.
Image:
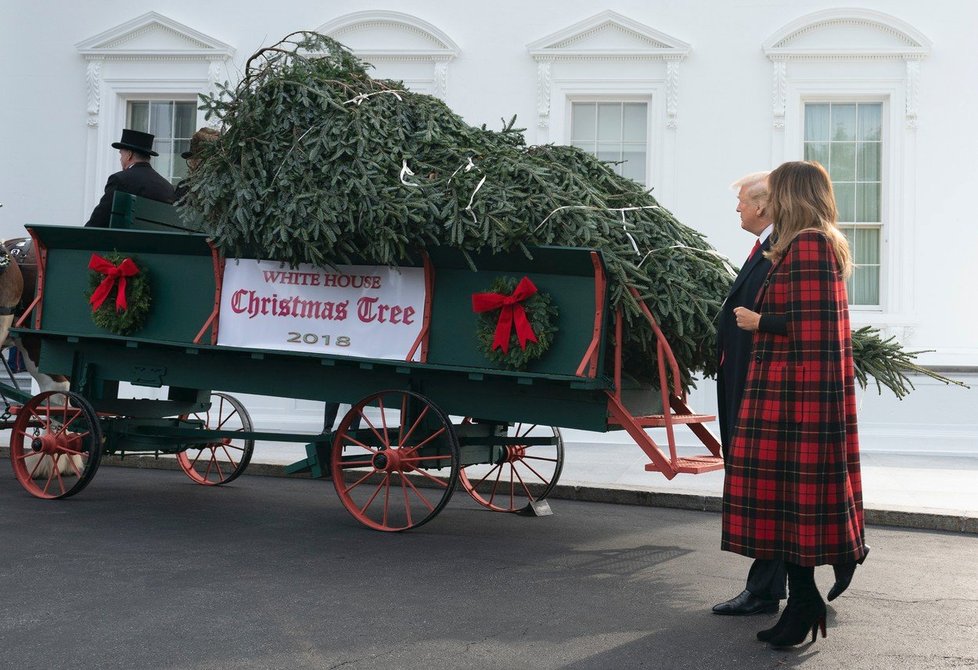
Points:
[(136, 141), (199, 139)]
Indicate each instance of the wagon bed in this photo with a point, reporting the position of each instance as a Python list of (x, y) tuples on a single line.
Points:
[(506, 414)]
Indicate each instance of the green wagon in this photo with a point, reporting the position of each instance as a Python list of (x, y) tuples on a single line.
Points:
[(418, 426)]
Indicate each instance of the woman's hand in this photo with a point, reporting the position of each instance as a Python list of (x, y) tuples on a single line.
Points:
[(746, 319)]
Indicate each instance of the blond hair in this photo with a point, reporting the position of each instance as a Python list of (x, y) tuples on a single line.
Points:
[(801, 198), (755, 185)]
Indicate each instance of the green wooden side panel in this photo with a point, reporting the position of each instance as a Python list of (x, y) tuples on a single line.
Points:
[(543, 400), (566, 275), (132, 212), (180, 269), (457, 376)]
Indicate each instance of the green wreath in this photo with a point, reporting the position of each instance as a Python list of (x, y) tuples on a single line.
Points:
[(541, 314), (138, 299)]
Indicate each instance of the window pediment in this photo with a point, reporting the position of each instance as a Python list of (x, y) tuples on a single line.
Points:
[(608, 35), (393, 35), (150, 41), (847, 33), (411, 49), (153, 35), (608, 39)]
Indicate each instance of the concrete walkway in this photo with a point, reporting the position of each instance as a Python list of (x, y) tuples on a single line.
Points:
[(914, 491)]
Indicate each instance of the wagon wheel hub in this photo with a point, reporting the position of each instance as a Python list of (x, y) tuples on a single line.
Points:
[(55, 443), (515, 453), (391, 460), (385, 460)]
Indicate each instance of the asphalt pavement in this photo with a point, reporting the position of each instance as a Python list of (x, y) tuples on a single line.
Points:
[(145, 569)]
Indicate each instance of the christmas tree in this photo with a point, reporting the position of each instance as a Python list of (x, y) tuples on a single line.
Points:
[(320, 163)]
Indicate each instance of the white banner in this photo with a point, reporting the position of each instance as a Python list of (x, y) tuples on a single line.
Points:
[(350, 310)]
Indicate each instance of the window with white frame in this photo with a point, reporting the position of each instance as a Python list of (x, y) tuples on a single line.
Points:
[(847, 138), (172, 122), (615, 131), (846, 89), (146, 74)]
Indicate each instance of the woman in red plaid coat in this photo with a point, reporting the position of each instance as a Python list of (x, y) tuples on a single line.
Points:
[(792, 489)]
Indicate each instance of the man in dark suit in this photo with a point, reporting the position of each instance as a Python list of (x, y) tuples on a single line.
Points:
[(766, 579), (137, 176)]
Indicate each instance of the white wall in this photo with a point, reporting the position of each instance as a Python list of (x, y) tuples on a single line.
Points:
[(51, 173)]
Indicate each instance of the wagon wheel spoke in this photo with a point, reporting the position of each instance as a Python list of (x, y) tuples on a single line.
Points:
[(55, 444), (522, 467), (388, 434), (212, 463)]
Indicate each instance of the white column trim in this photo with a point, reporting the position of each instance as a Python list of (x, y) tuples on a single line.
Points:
[(544, 84), (93, 87)]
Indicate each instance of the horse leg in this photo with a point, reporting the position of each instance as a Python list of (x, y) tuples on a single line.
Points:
[(41, 465), (30, 349)]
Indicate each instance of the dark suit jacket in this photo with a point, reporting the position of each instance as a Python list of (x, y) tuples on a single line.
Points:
[(734, 344), (140, 179)]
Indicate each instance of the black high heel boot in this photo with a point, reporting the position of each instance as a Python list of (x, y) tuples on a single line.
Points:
[(805, 611), (843, 575), (768, 633)]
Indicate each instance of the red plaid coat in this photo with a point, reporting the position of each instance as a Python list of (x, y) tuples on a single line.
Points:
[(792, 489)]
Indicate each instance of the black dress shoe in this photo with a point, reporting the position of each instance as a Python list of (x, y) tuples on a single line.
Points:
[(843, 575), (746, 603)]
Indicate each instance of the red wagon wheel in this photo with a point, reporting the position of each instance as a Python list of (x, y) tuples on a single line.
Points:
[(395, 460), (55, 444), (223, 459), (525, 468)]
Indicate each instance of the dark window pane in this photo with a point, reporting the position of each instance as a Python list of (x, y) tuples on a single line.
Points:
[(138, 116), (635, 118), (868, 159), (609, 122), (186, 119), (870, 122), (161, 119), (842, 161), (845, 201), (843, 123), (868, 203), (817, 151), (816, 122), (584, 121)]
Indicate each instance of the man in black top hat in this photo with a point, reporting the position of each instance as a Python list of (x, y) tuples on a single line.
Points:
[(137, 176)]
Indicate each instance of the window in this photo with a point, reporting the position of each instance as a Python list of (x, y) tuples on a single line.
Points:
[(615, 132), (172, 123), (847, 138)]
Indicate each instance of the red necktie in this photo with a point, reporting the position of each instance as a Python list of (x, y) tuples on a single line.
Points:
[(757, 245)]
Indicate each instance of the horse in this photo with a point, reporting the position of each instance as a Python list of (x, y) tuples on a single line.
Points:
[(18, 287)]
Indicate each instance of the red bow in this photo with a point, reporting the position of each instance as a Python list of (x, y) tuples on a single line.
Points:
[(511, 312), (112, 272)]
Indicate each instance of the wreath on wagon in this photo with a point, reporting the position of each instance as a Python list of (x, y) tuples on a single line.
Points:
[(516, 322), (119, 293)]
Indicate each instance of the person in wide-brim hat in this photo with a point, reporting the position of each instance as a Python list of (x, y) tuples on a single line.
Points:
[(137, 141), (193, 157), (198, 140)]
